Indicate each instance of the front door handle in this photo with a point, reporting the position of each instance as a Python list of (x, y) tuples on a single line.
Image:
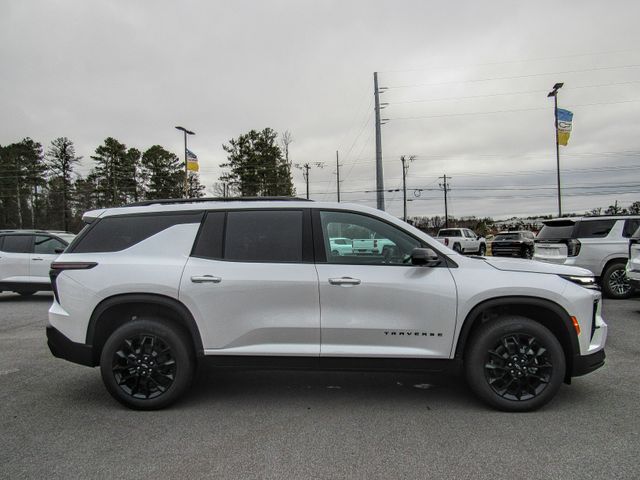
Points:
[(37, 259), (344, 281), (206, 279)]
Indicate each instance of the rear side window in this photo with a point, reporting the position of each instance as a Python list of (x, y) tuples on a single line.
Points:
[(630, 227), (17, 244), (449, 233), (594, 228), (264, 236), (112, 234), (209, 244)]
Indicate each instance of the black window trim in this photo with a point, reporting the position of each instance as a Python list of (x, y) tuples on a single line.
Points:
[(307, 235), (90, 226), (321, 254)]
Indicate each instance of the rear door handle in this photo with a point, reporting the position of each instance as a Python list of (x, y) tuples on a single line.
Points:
[(344, 281), (206, 279), (37, 259)]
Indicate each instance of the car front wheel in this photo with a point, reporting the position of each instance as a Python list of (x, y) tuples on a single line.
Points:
[(515, 364), (147, 364)]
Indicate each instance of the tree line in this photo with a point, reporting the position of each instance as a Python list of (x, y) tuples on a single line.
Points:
[(41, 188)]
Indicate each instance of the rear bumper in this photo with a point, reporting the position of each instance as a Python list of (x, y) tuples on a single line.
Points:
[(64, 348), (583, 364)]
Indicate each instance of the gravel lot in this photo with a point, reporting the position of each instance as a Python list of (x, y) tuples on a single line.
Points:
[(57, 420)]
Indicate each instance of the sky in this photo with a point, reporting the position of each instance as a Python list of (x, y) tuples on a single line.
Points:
[(465, 87)]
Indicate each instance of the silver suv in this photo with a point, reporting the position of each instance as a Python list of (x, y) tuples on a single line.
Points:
[(599, 244), (147, 291)]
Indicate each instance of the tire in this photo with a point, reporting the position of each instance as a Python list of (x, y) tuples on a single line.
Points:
[(136, 345), (335, 252), (482, 251), (615, 283), (457, 248), (527, 252), (506, 343)]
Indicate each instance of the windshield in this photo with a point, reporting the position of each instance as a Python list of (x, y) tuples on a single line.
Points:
[(508, 236)]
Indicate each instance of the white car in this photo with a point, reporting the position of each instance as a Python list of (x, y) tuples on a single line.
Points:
[(26, 256), (341, 245), (462, 240), (147, 291), (599, 244)]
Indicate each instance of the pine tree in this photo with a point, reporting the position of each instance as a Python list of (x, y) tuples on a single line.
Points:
[(256, 166), (60, 160), (162, 173)]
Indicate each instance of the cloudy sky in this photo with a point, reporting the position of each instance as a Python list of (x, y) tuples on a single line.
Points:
[(466, 90)]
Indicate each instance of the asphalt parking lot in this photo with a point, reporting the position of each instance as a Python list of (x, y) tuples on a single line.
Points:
[(57, 420)]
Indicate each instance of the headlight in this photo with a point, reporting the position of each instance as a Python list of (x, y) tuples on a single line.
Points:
[(586, 282)]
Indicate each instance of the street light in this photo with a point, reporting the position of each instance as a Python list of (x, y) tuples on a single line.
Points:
[(554, 93), (186, 171)]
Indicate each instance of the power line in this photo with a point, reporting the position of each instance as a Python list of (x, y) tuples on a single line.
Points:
[(513, 77)]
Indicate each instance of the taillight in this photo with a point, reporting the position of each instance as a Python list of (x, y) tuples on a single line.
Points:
[(58, 267), (446, 242), (573, 247)]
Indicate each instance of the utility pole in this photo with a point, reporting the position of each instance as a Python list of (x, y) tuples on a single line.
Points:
[(379, 122), (305, 172), (445, 186), (338, 174), (186, 169), (554, 93), (405, 168)]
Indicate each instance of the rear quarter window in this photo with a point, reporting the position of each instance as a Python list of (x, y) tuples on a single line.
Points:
[(113, 234), (631, 226), (17, 243), (594, 228)]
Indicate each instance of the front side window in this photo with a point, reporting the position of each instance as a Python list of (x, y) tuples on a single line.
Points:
[(47, 245), (373, 242), (264, 236)]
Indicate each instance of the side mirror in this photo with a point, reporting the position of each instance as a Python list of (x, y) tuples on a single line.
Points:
[(58, 250), (424, 257)]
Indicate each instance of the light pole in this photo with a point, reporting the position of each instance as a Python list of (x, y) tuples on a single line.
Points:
[(554, 93), (186, 171)]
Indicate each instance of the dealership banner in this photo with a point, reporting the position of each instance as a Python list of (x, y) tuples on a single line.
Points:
[(192, 161), (565, 119)]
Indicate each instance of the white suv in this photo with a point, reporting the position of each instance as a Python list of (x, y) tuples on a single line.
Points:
[(146, 291), (599, 244), (26, 256)]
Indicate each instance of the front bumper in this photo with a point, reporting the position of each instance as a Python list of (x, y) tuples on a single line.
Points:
[(64, 348), (583, 364)]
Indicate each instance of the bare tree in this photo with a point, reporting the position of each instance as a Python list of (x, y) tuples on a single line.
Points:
[(286, 139)]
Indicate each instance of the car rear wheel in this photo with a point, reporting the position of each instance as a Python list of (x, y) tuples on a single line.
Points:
[(515, 364), (615, 283), (457, 248), (147, 364)]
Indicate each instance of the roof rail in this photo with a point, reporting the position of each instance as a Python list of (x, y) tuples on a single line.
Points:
[(168, 201)]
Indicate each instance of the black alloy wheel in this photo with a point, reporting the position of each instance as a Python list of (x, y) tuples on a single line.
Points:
[(518, 367), (527, 252), (147, 364), (144, 366), (514, 364)]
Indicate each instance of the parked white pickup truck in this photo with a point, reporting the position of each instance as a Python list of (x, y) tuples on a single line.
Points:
[(371, 246), (462, 240)]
